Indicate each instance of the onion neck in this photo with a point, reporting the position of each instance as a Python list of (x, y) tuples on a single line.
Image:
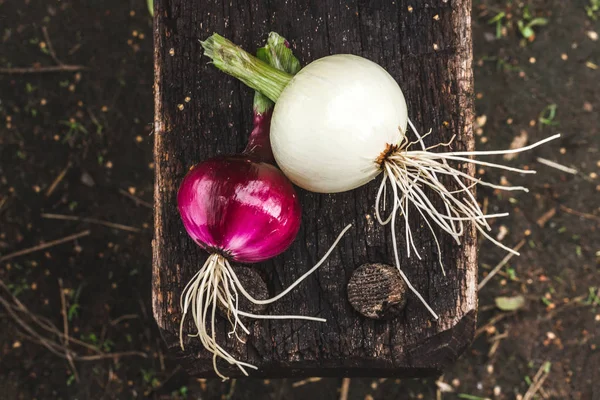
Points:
[(249, 69), (259, 142), (276, 53)]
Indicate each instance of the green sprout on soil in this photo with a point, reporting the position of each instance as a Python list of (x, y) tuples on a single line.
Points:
[(74, 307), (502, 64), (149, 377), (547, 116), (593, 9), (498, 20), (181, 392), (74, 128), (527, 23), (592, 299), (17, 288), (104, 346), (546, 301)]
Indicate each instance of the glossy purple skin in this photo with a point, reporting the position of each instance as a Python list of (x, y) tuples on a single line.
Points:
[(245, 210)]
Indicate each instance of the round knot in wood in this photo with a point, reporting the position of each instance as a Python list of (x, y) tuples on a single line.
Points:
[(377, 291)]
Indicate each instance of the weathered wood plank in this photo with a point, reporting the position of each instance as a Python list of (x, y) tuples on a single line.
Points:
[(431, 59)]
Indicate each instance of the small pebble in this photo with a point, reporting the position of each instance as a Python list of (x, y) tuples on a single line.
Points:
[(592, 35), (171, 52), (562, 150), (564, 56), (497, 391), (593, 175), (16, 344), (180, 106), (456, 382), (481, 121), (532, 60), (410, 9), (187, 99), (436, 17)]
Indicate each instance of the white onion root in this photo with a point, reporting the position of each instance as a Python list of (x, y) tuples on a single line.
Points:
[(216, 282), (409, 172)]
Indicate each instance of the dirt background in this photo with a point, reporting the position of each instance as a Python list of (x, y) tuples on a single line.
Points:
[(79, 144)]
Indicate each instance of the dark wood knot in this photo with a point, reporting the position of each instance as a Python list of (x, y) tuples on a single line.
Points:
[(377, 291)]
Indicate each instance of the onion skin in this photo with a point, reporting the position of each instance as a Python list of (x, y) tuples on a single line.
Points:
[(247, 211)]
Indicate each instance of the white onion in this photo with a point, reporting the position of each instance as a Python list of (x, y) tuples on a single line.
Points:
[(352, 108)]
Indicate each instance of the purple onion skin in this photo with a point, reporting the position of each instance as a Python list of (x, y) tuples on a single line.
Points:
[(259, 142), (247, 211)]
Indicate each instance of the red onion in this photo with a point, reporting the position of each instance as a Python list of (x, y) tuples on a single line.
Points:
[(246, 211)]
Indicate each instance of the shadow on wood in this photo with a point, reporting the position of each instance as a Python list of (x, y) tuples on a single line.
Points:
[(428, 51)]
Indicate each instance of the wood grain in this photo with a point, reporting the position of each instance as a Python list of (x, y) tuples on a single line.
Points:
[(428, 50)]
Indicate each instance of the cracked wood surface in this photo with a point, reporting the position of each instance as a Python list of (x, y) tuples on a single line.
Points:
[(428, 51)]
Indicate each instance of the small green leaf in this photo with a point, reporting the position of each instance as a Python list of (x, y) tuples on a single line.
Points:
[(510, 303), (471, 397), (73, 311), (538, 22), (150, 7), (497, 17)]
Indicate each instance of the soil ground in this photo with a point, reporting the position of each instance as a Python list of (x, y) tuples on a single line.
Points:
[(80, 144)]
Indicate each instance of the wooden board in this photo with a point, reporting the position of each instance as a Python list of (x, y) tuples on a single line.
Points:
[(428, 50)]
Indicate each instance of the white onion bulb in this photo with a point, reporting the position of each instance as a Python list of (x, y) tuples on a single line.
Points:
[(352, 108)]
